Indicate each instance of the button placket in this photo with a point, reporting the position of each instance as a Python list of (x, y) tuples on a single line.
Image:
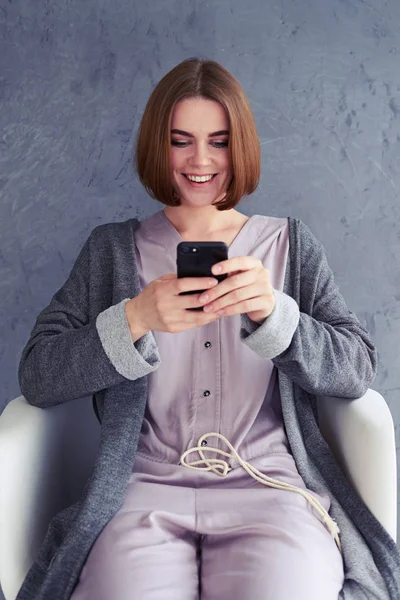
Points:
[(206, 414), (207, 392)]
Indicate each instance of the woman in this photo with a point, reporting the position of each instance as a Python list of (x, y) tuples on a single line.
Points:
[(212, 477)]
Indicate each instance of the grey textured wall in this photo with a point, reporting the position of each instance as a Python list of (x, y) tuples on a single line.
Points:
[(323, 79)]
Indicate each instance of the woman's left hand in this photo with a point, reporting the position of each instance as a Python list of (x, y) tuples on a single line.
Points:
[(247, 289)]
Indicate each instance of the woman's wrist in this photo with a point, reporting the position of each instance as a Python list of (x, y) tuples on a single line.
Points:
[(137, 328)]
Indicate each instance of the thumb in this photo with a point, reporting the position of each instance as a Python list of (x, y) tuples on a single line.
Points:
[(168, 276)]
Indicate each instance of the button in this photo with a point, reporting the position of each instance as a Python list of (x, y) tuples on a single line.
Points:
[(206, 393), (208, 344), (204, 443)]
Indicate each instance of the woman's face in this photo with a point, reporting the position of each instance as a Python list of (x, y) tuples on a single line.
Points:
[(196, 150)]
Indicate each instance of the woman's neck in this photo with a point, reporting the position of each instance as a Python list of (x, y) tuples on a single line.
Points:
[(201, 223)]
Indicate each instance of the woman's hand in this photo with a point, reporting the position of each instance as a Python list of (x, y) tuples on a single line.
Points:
[(247, 289), (161, 307)]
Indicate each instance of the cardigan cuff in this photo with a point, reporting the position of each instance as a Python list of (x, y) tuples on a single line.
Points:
[(130, 359), (274, 335)]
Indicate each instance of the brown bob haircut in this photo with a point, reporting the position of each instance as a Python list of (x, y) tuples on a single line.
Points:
[(196, 77)]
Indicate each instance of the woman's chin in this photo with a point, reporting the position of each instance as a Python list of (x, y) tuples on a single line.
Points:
[(199, 200)]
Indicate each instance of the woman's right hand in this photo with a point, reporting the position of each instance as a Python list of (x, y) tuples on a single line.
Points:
[(159, 307)]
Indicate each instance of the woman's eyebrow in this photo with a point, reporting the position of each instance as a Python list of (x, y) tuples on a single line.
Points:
[(185, 133)]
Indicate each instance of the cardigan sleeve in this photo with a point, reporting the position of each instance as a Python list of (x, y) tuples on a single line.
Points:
[(330, 352), (68, 355), (275, 333)]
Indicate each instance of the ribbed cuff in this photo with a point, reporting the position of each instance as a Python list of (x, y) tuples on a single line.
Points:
[(274, 335), (132, 360)]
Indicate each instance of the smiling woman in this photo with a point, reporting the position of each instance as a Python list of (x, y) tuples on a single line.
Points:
[(219, 137)]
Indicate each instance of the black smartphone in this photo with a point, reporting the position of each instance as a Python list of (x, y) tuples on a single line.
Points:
[(195, 259)]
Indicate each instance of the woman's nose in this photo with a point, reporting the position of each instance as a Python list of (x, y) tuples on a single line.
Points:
[(201, 155)]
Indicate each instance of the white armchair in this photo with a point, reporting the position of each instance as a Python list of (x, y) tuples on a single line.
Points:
[(46, 457)]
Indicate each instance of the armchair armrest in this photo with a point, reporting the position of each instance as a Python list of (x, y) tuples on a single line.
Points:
[(361, 436), (30, 461), (46, 455)]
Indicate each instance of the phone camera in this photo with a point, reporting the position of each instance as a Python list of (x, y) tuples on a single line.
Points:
[(187, 249)]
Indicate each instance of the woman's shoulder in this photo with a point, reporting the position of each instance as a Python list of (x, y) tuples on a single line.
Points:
[(297, 228), (302, 241), (294, 224), (116, 226), (113, 231), (284, 220)]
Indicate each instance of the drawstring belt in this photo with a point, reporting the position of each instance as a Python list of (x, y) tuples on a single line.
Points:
[(330, 523)]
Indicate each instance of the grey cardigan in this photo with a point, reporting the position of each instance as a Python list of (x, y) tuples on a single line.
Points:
[(330, 353)]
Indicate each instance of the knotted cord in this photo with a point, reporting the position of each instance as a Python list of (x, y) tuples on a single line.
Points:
[(328, 521)]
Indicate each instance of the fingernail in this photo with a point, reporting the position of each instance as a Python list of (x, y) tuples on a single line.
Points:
[(217, 269)]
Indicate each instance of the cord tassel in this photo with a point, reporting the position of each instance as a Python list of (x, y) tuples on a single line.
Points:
[(221, 467)]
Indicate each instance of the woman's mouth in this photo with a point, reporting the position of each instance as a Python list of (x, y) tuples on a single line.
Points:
[(199, 184)]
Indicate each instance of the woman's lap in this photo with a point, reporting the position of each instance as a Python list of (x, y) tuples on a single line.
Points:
[(258, 543)]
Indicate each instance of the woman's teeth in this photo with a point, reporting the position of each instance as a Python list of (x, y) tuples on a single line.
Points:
[(199, 179)]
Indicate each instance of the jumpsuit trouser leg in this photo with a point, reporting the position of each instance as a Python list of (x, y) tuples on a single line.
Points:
[(255, 541)]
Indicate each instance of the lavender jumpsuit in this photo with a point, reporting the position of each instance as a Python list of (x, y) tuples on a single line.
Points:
[(181, 528)]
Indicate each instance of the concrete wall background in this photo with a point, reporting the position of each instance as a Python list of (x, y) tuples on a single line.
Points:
[(323, 80)]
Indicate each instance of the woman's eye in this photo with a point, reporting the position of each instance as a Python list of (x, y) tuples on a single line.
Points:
[(183, 144)]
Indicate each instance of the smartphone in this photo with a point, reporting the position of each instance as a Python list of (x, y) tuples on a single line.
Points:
[(195, 259)]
